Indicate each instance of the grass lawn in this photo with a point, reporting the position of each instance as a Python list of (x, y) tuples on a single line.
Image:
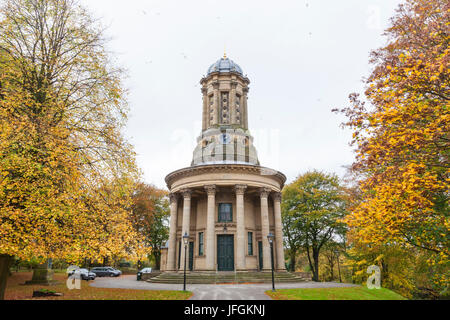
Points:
[(349, 293), (16, 290)]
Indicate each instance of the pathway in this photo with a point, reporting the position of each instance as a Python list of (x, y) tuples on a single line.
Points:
[(211, 291)]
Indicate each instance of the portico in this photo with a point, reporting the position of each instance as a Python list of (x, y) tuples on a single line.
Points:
[(246, 209)]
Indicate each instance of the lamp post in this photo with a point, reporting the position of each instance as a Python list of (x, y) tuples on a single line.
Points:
[(270, 237), (185, 241)]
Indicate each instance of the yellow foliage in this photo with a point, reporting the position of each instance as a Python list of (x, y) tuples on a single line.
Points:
[(66, 172), (402, 157)]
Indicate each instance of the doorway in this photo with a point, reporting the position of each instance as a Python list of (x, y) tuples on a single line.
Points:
[(260, 255), (225, 252)]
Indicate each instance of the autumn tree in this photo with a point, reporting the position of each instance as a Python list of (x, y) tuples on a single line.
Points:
[(66, 172), (331, 253), (150, 219), (313, 205), (292, 234), (401, 136)]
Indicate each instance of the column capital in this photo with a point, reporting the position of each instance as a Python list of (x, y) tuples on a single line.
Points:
[(264, 192), (276, 196), (210, 189), (187, 193), (173, 197), (240, 188)]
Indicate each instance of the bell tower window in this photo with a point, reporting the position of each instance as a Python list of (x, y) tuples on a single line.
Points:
[(225, 119), (238, 109), (211, 109)]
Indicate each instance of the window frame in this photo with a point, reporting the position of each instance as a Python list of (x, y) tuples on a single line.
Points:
[(219, 215), (250, 243), (201, 244)]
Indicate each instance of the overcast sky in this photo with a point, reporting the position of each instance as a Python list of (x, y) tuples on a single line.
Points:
[(303, 58)]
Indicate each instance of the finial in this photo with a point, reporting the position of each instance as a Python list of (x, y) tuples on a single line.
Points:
[(224, 53)]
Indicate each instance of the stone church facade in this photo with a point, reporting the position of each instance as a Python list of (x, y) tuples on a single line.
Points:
[(225, 201)]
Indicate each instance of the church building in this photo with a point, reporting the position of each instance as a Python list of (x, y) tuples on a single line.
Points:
[(225, 202)]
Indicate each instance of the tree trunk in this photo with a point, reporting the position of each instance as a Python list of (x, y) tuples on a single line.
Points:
[(339, 268), (309, 260), (5, 262), (331, 264), (292, 257), (157, 256), (316, 265)]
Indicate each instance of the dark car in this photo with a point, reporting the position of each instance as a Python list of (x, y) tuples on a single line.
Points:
[(106, 272), (143, 271), (84, 274)]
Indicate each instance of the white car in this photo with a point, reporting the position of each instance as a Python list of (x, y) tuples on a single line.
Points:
[(84, 274), (143, 271)]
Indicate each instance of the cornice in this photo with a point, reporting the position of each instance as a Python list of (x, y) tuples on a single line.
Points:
[(223, 168), (205, 79)]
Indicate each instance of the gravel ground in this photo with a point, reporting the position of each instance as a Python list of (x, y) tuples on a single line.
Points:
[(211, 291)]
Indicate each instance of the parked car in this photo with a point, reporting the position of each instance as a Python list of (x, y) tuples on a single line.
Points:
[(143, 271), (106, 272), (84, 274)]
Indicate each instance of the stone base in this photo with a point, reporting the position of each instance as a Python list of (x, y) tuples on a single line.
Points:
[(37, 294), (195, 271), (42, 277), (225, 277)]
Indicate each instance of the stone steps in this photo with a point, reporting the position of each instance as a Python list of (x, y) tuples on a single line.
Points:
[(210, 278)]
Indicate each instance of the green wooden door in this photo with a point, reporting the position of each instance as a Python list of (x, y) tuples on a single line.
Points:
[(191, 256), (260, 255), (225, 252), (179, 254)]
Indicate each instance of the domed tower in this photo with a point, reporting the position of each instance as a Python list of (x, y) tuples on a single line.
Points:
[(225, 137), (225, 203)]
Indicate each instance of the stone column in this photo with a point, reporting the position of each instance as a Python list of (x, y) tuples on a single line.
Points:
[(279, 261), (240, 227), (245, 108), (171, 252), (186, 225), (210, 227), (216, 102), (233, 102), (264, 194), (205, 119)]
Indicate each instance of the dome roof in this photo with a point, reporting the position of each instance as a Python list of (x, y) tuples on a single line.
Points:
[(225, 65)]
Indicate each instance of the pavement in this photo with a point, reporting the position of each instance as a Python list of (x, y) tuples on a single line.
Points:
[(212, 291)]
